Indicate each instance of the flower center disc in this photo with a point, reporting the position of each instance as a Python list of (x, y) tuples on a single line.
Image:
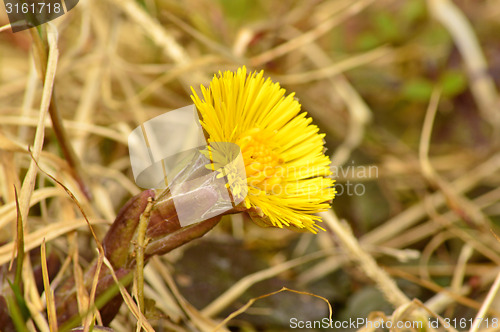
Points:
[(263, 165)]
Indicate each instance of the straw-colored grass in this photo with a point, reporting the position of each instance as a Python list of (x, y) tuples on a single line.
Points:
[(406, 88)]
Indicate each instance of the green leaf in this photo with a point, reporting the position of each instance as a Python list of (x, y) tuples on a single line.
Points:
[(367, 40), (20, 244), (386, 26), (453, 82), (413, 10), (18, 309), (240, 9), (418, 89)]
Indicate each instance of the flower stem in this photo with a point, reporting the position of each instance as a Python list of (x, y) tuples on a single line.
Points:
[(139, 252)]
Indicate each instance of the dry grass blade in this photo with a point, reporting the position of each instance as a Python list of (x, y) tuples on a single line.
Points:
[(129, 301), (104, 132), (49, 292), (339, 67), (83, 296), (201, 321), (252, 301), (160, 293), (481, 83), (5, 27), (50, 232), (14, 302), (241, 286), (359, 112), (202, 38), (486, 305), (459, 273), (311, 35), (425, 138), (470, 212), (29, 179), (405, 311), (73, 198), (8, 211), (366, 262), (402, 221), (19, 244), (55, 114), (438, 289), (91, 309), (365, 71), (151, 27)]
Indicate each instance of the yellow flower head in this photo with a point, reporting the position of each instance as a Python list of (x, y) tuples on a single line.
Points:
[(286, 168)]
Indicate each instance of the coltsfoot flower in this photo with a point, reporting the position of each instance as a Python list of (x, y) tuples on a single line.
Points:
[(287, 172)]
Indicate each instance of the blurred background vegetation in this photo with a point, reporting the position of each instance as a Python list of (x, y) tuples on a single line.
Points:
[(366, 71)]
